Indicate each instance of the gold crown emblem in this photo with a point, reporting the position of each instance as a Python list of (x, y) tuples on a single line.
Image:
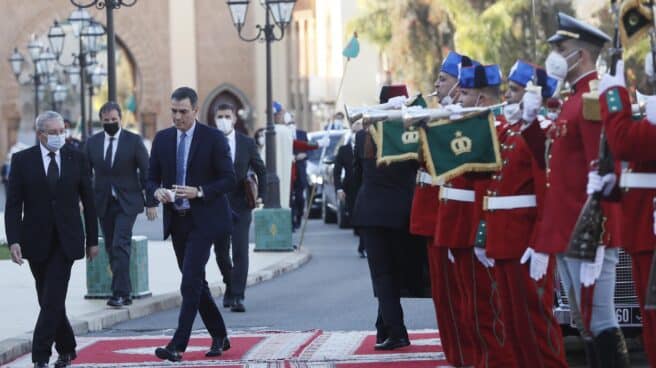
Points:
[(410, 137), (273, 230), (461, 144)]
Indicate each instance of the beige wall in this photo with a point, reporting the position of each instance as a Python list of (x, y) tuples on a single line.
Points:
[(182, 25)]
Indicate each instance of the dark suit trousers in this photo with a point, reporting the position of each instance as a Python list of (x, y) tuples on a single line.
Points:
[(235, 272), (192, 251), (117, 230), (51, 277), (297, 204), (382, 245)]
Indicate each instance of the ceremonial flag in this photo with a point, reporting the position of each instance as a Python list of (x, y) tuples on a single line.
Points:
[(352, 49), (395, 142), (454, 147)]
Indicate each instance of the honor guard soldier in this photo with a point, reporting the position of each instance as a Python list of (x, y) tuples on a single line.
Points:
[(573, 143), (633, 141), (512, 205), (457, 223), (458, 345)]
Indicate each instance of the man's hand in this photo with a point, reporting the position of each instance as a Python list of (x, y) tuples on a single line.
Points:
[(455, 110), (341, 195), (185, 192), (151, 213), (539, 263), (92, 252), (590, 271), (397, 102), (163, 195), (531, 103), (301, 156), (483, 258), (16, 254), (598, 183), (617, 80)]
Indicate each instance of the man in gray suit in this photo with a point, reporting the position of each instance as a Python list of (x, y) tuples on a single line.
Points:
[(245, 158), (120, 164)]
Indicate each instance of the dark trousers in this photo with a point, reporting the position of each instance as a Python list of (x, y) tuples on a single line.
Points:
[(192, 251), (235, 271), (117, 230), (297, 205), (383, 246), (51, 277)]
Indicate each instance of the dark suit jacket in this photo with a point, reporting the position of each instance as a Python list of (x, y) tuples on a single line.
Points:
[(344, 162), (301, 166), (385, 195), (32, 212), (246, 157), (209, 166), (127, 175)]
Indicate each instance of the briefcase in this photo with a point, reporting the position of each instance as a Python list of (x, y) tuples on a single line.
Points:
[(250, 187)]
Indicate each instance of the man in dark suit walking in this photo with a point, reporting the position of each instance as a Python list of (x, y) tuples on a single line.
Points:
[(120, 165), (42, 219), (190, 173), (245, 158), (347, 188), (301, 182)]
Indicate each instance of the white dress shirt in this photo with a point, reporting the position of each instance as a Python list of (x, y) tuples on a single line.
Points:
[(190, 135), (106, 144), (232, 142), (46, 159)]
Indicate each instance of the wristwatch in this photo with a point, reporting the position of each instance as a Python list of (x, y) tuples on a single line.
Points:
[(200, 192)]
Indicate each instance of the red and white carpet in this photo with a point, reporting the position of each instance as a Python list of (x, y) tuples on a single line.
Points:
[(311, 349)]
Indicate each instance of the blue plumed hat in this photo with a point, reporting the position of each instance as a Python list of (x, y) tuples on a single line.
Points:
[(450, 63), (479, 76), (523, 72)]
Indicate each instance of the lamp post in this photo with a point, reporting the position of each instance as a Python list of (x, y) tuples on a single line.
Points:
[(109, 6), (281, 11), (88, 34), (96, 79)]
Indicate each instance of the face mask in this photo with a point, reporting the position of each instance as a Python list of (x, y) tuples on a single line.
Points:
[(287, 118), (224, 125), (55, 141), (260, 141), (338, 124), (552, 116), (67, 133), (512, 112), (556, 65), (110, 128), (448, 100)]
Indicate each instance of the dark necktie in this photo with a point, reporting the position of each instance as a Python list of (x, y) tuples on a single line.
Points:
[(108, 153), (53, 172), (180, 165)]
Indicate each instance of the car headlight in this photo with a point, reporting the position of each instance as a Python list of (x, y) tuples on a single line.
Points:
[(316, 179)]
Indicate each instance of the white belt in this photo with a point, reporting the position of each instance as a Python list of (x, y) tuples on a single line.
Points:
[(509, 202), (462, 195), (427, 179), (638, 180)]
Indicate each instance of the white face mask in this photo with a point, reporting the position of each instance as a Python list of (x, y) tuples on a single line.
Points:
[(55, 141), (512, 112), (338, 124), (448, 100), (556, 64), (260, 140), (68, 133), (287, 118), (224, 125), (552, 116)]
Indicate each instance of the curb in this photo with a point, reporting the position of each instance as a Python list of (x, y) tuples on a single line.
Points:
[(17, 346)]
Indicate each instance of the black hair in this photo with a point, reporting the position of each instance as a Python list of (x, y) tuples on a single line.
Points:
[(183, 93), (109, 106), (226, 106)]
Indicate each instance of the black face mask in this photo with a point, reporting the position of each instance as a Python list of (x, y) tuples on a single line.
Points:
[(110, 128)]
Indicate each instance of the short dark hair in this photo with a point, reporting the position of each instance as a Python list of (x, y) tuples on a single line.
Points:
[(184, 93), (226, 106), (109, 106)]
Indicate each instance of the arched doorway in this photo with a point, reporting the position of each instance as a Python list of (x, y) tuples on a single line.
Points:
[(229, 94)]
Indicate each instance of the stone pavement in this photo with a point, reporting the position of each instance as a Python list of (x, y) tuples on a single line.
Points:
[(20, 308)]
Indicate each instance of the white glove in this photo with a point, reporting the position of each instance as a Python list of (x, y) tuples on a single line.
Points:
[(323, 142), (603, 184), (590, 271), (539, 263), (397, 102), (482, 257), (617, 80), (451, 258), (455, 110), (650, 108), (649, 65), (532, 102), (301, 156)]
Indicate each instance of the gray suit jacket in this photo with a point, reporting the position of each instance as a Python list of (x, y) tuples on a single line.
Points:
[(127, 175)]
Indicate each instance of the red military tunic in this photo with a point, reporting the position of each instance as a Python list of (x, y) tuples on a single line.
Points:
[(574, 145), (534, 332), (425, 203), (635, 141)]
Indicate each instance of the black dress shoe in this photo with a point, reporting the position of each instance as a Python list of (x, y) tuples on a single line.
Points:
[(362, 254), (392, 343), (219, 345), (238, 306), (119, 301), (168, 354), (40, 365), (65, 360)]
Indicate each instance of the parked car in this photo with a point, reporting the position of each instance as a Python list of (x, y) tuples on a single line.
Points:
[(315, 168), (627, 309), (334, 210)]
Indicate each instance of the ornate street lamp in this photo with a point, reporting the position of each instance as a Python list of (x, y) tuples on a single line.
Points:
[(42, 65), (59, 95), (109, 6), (16, 60), (281, 11)]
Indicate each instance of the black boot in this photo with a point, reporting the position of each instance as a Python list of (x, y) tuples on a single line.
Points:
[(591, 353), (613, 352)]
